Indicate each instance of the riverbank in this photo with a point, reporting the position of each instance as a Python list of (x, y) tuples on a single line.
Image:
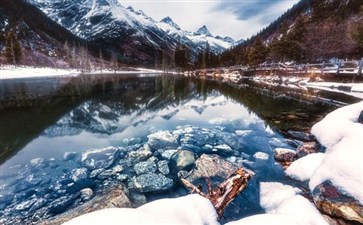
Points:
[(23, 72)]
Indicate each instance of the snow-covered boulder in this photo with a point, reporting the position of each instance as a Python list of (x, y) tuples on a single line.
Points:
[(340, 132), (341, 165), (303, 168), (191, 209)]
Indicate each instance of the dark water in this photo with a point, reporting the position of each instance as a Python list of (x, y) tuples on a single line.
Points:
[(42, 119)]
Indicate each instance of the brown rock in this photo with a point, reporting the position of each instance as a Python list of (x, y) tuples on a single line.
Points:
[(116, 197), (333, 202), (284, 156), (211, 166), (307, 148)]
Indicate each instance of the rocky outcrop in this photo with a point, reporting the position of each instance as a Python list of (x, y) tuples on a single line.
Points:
[(333, 202)]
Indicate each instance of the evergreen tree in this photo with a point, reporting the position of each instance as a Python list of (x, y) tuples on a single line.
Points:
[(356, 33), (181, 58), (9, 48), (258, 52), (13, 52)]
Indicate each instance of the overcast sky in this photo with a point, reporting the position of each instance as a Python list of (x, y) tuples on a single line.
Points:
[(235, 18)]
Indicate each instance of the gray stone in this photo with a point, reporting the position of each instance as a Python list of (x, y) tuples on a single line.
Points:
[(100, 158), (182, 160), (79, 174), (139, 155), (167, 154), (60, 205), (96, 172), (122, 177), (111, 172), (25, 205), (145, 167), (38, 204), (163, 167), (86, 194), (162, 140), (151, 183)]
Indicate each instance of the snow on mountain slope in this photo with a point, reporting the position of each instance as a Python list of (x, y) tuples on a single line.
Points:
[(108, 19)]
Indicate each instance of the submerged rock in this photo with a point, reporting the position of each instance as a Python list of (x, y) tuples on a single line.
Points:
[(148, 166), (86, 194), (162, 140), (151, 183), (182, 160), (163, 167), (37, 162), (333, 202), (100, 158), (301, 136), (79, 174), (139, 155), (211, 166), (117, 196), (307, 148)]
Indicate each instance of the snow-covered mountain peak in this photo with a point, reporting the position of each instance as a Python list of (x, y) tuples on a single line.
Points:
[(203, 31), (169, 21), (226, 39)]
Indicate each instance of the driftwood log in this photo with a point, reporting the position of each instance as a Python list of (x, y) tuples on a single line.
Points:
[(224, 193)]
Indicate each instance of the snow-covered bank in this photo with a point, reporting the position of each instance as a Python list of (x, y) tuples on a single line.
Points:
[(191, 209), (342, 163), (353, 89), (340, 132), (11, 72), (283, 206)]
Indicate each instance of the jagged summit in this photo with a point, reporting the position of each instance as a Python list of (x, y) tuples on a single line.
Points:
[(169, 21), (226, 39), (203, 31)]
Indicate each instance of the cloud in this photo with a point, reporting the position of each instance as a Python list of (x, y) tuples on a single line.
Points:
[(235, 18)]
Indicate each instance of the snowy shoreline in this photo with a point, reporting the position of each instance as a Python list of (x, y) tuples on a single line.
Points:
[(11, 72)]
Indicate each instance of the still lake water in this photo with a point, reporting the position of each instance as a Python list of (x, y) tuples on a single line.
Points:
[(41, 120)]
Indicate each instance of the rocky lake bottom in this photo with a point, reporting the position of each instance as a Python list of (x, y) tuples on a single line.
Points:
[(139, 140)]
